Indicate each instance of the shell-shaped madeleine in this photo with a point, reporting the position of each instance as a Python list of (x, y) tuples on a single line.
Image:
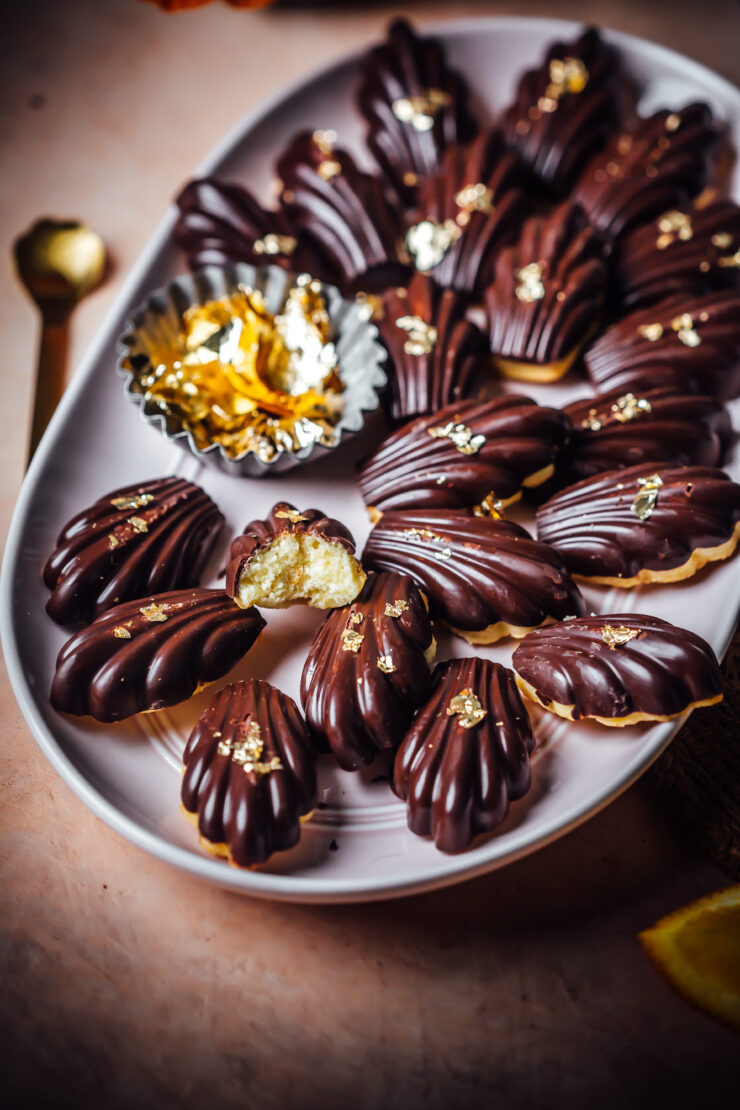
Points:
[(466, 756), (690, 343), (565, 109), (342, 212), (485, 578), (135, 541), (368, 670), (661, 162), (249, 773), (415, 104), (151, 653), (465, 454), (547, 294), (436, 355), (466, 212), (648, 523), (619, 669), (689, 250)]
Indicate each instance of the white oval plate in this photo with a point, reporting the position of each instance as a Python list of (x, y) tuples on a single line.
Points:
[(356, 847)]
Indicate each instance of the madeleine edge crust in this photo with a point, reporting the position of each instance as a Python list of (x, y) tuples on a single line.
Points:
[(566, 711)]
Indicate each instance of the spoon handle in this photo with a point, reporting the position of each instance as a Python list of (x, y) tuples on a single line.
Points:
[(50, 376)]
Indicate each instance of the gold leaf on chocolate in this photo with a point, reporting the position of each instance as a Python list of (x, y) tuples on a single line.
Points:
[(420, 110), (428, 242), (396, 608), (421, 336), (136, 501), (460, 436), (351, 640), (467, 708), (615, 636)]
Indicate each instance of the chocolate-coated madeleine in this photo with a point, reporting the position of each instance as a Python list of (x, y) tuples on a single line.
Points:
[(565, 109), (466, 212), (342, 212), (659, 164), (293, 556), (466, 756), (368, 670), (692, 250), (647, 523), (618, 669), (690, 343), (547, 295), (415, 104), (151, 653), (436, 355), (249, 773), (465, 454), (486, 578), (135, 541)]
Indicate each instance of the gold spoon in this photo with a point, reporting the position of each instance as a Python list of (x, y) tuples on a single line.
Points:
[(59, 262)]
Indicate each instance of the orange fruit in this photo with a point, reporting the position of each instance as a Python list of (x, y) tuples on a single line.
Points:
[(697, 950)]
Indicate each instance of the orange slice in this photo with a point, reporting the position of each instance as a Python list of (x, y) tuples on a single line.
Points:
[(697, 950)]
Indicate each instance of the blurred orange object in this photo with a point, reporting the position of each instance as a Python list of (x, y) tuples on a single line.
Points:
[(182, 5)]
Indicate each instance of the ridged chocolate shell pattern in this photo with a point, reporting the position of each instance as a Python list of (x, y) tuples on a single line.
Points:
[(342, 213), (458, 779), (436, 356), (612, 525), (661, 671), (475, 571), (689, 343), (549, 288), (283, 517), (151, 653), (415, 104), (249, 772), (464, 454), (477, 200), (135, 541), (366, 672), (685, 251), (565, 109), (662, 162)]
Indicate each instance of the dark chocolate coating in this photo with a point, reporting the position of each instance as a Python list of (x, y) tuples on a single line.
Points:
[(408, 66), (415, 470), (458, 781), (344, 215), (625, 358), (658, 164), (571, 255), (107, 555), (254, 814), (700, 253), (593, 526), (494, 570), (555, 144), (468, 264), (161, 662), (661, 672), (259, 534), (446, 373), (351, 704)]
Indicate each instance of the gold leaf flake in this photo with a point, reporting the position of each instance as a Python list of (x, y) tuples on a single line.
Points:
[(421, 336), (246, 750), (567, 76), (490, 507), (272, 244), (370, 306), (329, 169), (128, 504), (531, 287), (428, 242), (475, 198), (686, 333), (424, 534), (355, 618), (395, 608), (325, 140), (460, 436), (290, 514), (138, 524), (420, 111), (652, 332), (113, 541), (154, 613), (722, 240), (351, 640), (443, 555), (468, 709), (615, 635), (647, 498), (730, 260), (121, 633), (672, 122), (386, 664), (673, 225), (629, 408)]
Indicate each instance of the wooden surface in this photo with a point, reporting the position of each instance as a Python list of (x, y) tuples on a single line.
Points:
[(125, 983)]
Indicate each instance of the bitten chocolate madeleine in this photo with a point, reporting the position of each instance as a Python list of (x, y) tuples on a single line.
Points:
[(368, 670), (465, 454), (293, 556), (659, 164), (249, 773), (148, 654), (564, 110), (643, 524), (466, 212), (486, 578), (618, 669), (135, 541), (689, 343), (547, 295), (685, 251), (466, 756), (436, 355), (415, 104), (342, 213)]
